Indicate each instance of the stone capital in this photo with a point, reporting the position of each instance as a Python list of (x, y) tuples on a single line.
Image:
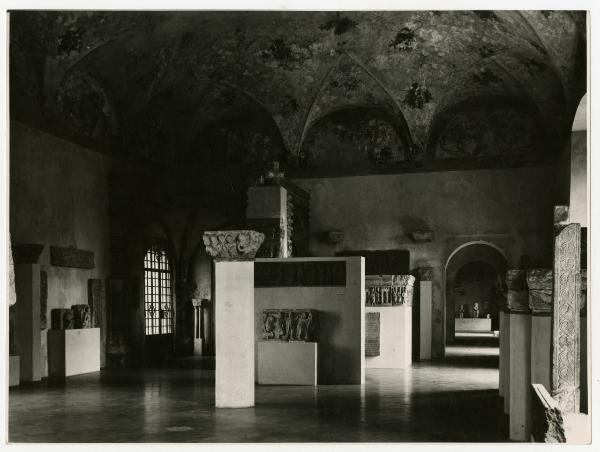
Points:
[(539, 279), (515, 279), (233, 245), (389, 290), (517, 301), (424, 273)]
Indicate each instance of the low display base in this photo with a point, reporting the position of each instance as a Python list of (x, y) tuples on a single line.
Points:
[(287, 363), (14, 370), (472, 325), (73, 352)]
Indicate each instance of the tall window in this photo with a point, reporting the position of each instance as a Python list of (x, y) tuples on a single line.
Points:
[(158, 300)]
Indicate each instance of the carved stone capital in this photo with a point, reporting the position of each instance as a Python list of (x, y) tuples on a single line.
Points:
[(389, 290), (540, 301), (518, 301), (424, 273), (515, 279), (233, 245), (539, 279)]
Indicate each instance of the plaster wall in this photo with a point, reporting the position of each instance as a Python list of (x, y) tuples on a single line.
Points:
[(58, 196), (510, 208), (341, 329), (578, 189)]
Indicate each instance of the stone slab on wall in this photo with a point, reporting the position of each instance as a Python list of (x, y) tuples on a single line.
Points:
[(372, 334), (341, 311), (73, 352), (395, 338), (287, 363)]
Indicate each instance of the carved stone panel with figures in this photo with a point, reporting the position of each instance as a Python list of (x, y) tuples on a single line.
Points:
[(289, 324)]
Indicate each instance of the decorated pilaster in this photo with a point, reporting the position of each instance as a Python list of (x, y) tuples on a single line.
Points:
[(566, 313), (233, 252)]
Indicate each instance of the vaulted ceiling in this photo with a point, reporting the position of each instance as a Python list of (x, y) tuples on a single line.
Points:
[(319, 91)]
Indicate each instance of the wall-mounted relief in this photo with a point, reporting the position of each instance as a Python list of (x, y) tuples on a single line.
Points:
[(289, 324)]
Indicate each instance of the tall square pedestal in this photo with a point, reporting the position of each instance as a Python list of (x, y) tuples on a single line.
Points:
[(234, 334)]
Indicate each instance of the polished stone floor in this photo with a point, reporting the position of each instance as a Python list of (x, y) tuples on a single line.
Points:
[(451, 400)]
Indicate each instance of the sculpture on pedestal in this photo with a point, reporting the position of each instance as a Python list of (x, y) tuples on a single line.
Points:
[(233, 245), (289, 324), (82, 317), (61, 319), (476, 310)]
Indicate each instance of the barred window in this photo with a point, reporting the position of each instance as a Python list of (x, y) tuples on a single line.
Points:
[(158, 300)]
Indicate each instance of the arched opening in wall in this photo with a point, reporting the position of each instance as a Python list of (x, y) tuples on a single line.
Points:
[(474, 274)]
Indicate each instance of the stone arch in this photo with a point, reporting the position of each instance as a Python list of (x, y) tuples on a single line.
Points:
[(477, 251)]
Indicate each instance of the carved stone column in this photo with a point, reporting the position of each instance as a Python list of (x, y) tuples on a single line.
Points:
[(425, 277), (233, 252), (519, 356), (566, 317)]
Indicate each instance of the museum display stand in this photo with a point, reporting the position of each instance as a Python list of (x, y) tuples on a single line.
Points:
[(425, 311), (287, 363), (389, 297), (73, 352), (27, 284), (234, 252)]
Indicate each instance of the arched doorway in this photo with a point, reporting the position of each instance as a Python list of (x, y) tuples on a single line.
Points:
[(473, 273)]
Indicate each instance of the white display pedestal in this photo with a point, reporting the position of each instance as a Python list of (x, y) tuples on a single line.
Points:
[(541, 350), (505, 360), (472, 325), (73, 352), (425, 303), (234, 334), (520, 377), (287, 363), (395, 338), (14, 370)]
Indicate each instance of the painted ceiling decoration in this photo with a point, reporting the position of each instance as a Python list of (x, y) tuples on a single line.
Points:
[(387, 87)]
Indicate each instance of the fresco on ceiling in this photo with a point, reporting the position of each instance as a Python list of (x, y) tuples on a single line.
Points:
[(299, 66), (354, 138), (488, 133), (83, 103)]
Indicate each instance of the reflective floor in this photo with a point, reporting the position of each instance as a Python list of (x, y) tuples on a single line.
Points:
[(452, 400)]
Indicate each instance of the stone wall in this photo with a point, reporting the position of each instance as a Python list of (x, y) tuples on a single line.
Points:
[(58, 197), (509, 208)]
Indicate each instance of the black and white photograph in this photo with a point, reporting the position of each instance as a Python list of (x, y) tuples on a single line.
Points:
[(287, 225)]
